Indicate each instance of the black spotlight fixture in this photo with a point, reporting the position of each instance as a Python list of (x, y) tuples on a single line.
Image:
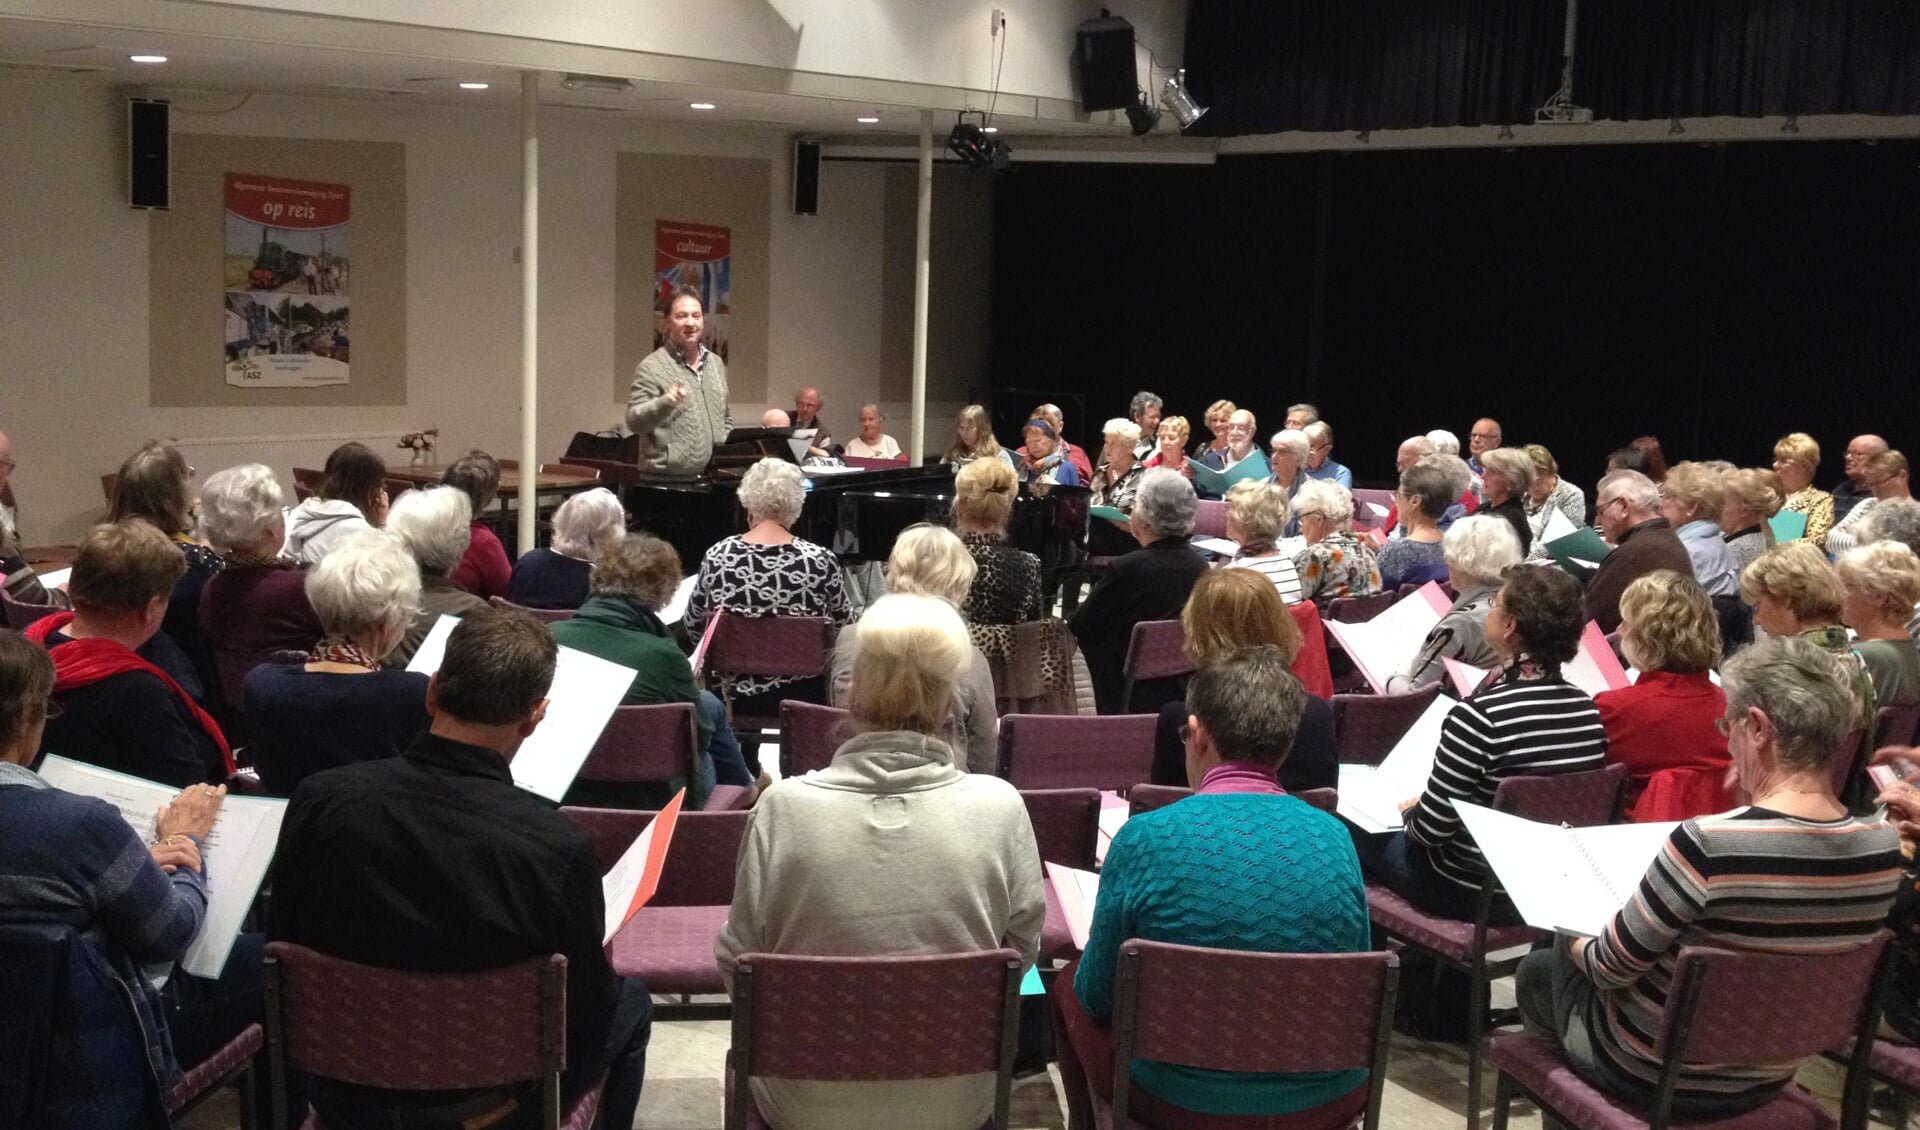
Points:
[(1142, 116), (975, 147)]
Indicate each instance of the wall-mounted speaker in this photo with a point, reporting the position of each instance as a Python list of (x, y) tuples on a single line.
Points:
[(806, 178), (149, 153), (1103, 55)]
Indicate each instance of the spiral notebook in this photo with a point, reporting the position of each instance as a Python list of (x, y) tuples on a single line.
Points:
[(1570, 880)]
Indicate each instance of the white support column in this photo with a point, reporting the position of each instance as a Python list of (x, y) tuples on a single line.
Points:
[(922, 282), (529, 304)]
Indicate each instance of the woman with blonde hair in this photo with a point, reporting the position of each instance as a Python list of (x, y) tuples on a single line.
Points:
[(1794, 591), (1170, 445), (1664, 727), (973, 440), (1257, 518), (1219, 414), (1882, 583), (1690, 501), (1795, 458), (1235, 608), (1006, 587), (1550, 492), (1748, 498)]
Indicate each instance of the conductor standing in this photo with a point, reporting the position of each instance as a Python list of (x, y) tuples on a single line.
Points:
[(678, 404)]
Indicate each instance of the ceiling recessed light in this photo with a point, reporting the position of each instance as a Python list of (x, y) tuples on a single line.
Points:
[(866, 121), (990, 129), (146, 58), (700, 105), (473, 86)]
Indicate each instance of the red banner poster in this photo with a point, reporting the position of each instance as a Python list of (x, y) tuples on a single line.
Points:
[(288, 268), (698, 257)]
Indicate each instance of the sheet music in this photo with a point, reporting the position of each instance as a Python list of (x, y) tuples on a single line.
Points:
[(676, 608), (1385, 645), (1558, 526), (1572, 880), (1222, 546), (1076, 892), (1594, 668), (636, 874), (54, 578), (237, 851), (585, 691), (1114, 811), (1370, 796)]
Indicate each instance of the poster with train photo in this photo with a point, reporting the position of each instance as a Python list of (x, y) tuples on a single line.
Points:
[(698, 257), (287, 275)]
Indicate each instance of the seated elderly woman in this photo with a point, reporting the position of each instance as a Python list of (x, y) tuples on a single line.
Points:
[(1044, 458), (1882, 583), (352, 497), (1897, 520), (1170, 445), (1335, 563), (1479, 550), (1690, 501), (1828, 882), (1527, 720), (79, 875), (973, 440), (1424, 493), (1256, 518), (769, 572), (949, 865), (341, 706), (432, 524), (1288, 458), (1506, 476), (559, 577), (117, 710), (1006, 584), (156, 485), (1202, 872), (1794, 591), (1748, 498), (257, 605), (1115, 483), (1219, 414), (1885, 474), (1795, 458), (484, 569), (1227, 611), (1151, 583), (633, 579), (1664, 727), (1550, 492), (931, 561)]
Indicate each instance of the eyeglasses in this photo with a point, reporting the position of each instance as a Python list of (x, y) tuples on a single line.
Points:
[(1725, 726), (1484, 435), (8, 464), (1186, 734), (1600, 507)]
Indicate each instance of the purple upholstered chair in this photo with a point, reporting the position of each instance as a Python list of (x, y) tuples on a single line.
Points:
[(20, 614), (810, 734), (230, 1066), (1231, 1010), (1326, 800), (1210, 518), (1718, 1014), (1156, 650), (1360, 609), (1891, 1062), (872, 1019), (656, 742), (1576, 799), (767, 646), (407, 1031), (544, 615), (1066, 828), (1073, 751), (1367, 726), (1146, 798)]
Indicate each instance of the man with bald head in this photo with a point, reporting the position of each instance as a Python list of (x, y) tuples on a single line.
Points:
[(15, 573), (1485, 437), (775, 418), (806, 414), (1853, 488)]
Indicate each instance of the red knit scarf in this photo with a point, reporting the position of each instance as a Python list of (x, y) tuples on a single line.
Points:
[(82, 663)]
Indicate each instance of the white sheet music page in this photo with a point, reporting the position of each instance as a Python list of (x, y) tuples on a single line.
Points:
[(677, 606), (1371, 796), (1571, 880), (1385, 645), (1077, 892), (237, 851), (636, 874)]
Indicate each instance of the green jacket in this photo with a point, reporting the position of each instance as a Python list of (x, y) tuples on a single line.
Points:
[(618, 630)]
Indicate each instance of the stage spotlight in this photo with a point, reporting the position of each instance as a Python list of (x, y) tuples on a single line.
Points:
[(1176, 98), (1141, 116), (969, 142)]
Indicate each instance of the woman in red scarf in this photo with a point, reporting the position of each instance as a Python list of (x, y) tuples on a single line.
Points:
[(117, 710)]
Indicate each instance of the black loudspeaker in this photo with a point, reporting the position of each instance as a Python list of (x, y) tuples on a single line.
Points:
[(1104, 57), (149, 153), (806, 178)]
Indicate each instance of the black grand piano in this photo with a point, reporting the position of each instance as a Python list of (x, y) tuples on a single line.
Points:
[(855, 513)]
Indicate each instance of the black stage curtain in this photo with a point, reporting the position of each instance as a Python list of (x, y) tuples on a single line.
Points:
[(1399, 64)]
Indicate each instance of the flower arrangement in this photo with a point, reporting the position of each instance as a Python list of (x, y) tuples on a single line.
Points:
[(421, 444)]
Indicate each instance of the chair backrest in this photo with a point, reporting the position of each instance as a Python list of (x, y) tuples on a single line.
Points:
[(810, 734), (845, 1019), (1895, 725), (1360, 609), (1066, 825), (1146, 798), (1311, 666), (645, 743), (1157, 650), (1073, 751), (1578, 800), (1326, 800), (700, 863), (408, 1031), (544, 615), (1364, 518), (1210, 519), (1847, 759), (1366, 727), (793, 646), (1231, 1010), (20, 614)]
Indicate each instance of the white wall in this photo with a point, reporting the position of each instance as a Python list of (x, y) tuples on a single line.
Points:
[(73, 290)]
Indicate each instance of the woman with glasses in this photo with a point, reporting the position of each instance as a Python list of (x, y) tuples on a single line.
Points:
[(1335, 563)]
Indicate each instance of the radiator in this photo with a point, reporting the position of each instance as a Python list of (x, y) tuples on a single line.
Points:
[(283, 453)]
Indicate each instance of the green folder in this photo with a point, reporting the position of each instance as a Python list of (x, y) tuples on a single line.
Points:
[(1788, 525), (1254, 466), (1580, 552), (1106, 512)]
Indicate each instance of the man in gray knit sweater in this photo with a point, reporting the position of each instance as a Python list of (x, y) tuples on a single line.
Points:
[(678, 403)]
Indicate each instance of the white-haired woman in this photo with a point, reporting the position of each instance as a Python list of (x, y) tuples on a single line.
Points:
[(892, 835), (931, 561), (560, 577), (1882, 583), (341, 706), (1115, 483), (1479, 549), (1288, 458), (1257, 516), (433, 525), (257, 605), (1335, 563), (769, 572), (1151, 583)]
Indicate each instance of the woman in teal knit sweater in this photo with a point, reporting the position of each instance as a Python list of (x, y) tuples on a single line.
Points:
[(1240, 865)]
